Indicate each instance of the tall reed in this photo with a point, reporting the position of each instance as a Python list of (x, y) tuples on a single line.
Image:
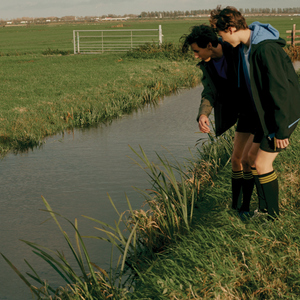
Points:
[(93, 282)]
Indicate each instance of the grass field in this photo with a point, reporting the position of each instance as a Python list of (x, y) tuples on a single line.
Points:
[(36, 39), (225, 258)]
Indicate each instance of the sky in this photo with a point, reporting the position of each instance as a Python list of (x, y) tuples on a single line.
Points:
[(58, 8)]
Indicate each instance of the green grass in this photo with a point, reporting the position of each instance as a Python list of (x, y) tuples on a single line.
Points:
[(225, 258), (37, 38)]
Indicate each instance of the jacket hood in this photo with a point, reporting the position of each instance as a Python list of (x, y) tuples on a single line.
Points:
[(262, 32)]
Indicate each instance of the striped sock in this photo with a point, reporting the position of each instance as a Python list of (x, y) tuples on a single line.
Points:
[(248, 185), (269, 184), (262, 205), (236, 188)]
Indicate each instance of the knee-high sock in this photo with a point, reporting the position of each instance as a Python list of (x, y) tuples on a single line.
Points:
[(269, 184), (236, 187), (248, 186), (262, 205)]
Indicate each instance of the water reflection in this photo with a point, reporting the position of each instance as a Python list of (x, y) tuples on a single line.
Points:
[(75, 171)]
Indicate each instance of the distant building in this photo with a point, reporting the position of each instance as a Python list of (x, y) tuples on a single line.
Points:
[(115, 19)]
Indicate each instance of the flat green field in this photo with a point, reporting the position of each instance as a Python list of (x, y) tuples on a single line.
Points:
[(35, 39)]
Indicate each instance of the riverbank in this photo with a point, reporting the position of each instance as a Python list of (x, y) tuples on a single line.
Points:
[(225, 258)]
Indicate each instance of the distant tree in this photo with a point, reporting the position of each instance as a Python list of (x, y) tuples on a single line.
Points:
[(266, 10)]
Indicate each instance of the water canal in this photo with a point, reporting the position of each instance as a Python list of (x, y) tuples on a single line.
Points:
[(74, 172)]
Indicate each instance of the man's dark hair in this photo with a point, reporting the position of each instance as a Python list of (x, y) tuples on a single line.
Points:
[(201, 35), (221, 19)]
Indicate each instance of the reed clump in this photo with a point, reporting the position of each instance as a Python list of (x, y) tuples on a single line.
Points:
[(165, 50), (293, 52)]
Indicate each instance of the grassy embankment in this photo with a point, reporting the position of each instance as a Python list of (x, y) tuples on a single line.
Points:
[(225, 258), (181, 252)]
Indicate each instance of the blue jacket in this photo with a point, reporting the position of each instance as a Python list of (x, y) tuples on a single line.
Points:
[(274, 83)]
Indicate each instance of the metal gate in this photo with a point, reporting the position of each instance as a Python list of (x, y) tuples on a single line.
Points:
[(99, 41)]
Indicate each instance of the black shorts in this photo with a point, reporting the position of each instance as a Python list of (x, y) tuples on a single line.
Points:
[(266, 143), (244, 124), (258, 134), (248, 124)]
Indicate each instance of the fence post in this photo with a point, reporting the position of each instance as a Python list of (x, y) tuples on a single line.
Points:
[(293, 35), (160, 34), (78, 49), (74, 41)]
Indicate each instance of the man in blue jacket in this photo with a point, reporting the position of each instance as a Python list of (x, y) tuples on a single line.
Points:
[(274, 88)]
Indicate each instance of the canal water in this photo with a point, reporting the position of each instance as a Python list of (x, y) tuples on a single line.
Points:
[(75, 172)]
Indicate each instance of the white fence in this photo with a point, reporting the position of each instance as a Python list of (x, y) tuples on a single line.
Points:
[(99, 41)]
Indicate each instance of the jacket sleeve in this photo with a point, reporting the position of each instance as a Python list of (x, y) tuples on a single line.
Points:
[(207, 97), (273, 84)]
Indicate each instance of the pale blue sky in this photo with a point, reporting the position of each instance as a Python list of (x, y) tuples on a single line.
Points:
[(46, 8)]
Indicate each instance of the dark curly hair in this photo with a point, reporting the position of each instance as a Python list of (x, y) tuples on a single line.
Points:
[(201, 35), (221, 19)]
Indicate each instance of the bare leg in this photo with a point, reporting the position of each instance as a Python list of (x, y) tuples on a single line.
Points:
[(262, 205), (252, 154), (240, 141), (264, 161)]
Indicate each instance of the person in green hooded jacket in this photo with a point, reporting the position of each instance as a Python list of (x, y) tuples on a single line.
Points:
[(275, 93)]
